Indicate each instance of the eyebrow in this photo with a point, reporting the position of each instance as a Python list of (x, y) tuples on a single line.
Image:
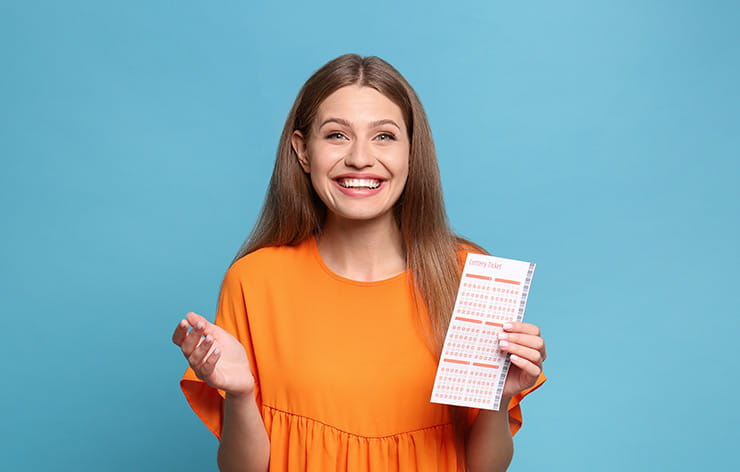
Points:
[(346, 123)]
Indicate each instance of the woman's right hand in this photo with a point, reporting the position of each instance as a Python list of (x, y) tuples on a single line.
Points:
[(215, 356)]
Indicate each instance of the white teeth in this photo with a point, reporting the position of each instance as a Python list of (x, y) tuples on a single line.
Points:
[(360, 183)]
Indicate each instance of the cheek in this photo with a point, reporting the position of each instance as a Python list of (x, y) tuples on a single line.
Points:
[(404, 167), (318, 181), (402, 178), (323, 158), (404, 184)]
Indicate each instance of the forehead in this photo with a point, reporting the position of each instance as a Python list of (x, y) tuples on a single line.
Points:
[(359, 105)]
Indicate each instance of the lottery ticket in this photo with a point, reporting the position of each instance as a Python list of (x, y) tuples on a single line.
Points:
[(472, 369)]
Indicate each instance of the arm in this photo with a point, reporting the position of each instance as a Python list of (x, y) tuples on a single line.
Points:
[(489, 446), (244, 443), (220, 360)]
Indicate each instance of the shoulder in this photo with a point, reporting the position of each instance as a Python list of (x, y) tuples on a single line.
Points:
[(265, 256), (465, 247), (272, 260)]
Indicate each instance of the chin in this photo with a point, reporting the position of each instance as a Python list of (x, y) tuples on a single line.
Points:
[(362, 216)]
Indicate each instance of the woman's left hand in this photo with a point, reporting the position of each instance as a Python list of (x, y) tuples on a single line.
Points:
[(527, 349)]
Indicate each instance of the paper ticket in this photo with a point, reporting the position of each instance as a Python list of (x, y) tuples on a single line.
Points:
[(472, 369)]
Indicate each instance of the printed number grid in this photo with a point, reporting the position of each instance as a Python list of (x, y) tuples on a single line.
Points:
[(472, 368)]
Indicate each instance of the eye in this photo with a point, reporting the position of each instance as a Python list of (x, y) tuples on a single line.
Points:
[(386, 137), (335, 135)]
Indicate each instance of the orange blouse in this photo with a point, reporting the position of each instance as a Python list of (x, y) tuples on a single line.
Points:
[(342, 370)]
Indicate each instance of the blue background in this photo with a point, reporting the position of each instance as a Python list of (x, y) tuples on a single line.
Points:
[(597, 139)]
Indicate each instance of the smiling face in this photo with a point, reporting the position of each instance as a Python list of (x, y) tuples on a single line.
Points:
[(357, 153)]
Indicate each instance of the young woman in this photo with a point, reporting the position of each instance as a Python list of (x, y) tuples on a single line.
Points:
[(331, 318)]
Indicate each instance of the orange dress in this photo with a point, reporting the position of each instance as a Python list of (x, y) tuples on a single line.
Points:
[(343, 374)]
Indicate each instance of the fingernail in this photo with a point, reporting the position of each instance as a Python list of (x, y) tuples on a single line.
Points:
[(209, 339), (216, 351), (199, 325), (503, 343), (514, 357), (503, 336), (508, 325)]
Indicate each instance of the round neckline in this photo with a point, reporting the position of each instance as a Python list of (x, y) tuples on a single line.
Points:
[(314, 246)]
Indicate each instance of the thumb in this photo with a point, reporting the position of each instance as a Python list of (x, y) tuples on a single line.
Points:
[(194, 319)]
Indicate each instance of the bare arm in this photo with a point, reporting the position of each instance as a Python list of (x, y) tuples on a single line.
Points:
[(220, 360), (489, 446), (244, 442)]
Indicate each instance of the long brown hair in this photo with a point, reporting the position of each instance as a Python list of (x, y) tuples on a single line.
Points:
[(293, 211)]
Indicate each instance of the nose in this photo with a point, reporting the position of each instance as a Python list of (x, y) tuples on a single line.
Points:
[(360, 156)]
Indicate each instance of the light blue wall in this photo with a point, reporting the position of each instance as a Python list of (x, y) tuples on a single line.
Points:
[(598, 139)]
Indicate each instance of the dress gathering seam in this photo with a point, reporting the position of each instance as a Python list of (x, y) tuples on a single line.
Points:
[(441, 425)]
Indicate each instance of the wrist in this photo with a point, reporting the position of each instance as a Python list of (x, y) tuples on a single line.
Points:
[(504, 403), (240, 397), (502, 414)]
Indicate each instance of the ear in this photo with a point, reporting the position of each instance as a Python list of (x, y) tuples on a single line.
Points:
[(298, 141)]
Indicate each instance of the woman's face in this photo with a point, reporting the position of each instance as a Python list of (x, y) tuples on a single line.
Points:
[(357, 153)]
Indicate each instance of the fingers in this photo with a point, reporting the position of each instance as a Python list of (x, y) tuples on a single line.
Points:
[(532, 355), (197, 344), (180, 332), (525, 365), (526, 340), (526, 334), (519, 327), (194, 319), (526, 346), (199, 354), (193, 339), (206, 369)]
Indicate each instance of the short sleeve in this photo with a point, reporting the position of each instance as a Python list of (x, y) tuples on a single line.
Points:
[(515, 408), (231, 315)]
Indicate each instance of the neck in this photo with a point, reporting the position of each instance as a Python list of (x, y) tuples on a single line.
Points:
[(365, 251)]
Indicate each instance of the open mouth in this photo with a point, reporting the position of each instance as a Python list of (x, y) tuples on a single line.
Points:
[(359, 183)]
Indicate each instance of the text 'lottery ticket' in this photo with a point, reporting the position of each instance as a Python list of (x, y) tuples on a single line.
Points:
[(472, 369)]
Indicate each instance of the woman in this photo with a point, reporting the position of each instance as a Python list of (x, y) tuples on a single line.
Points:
[(331, 318)]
